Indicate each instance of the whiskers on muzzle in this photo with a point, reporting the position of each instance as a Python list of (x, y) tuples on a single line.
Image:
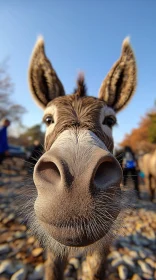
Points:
[(107, 212)]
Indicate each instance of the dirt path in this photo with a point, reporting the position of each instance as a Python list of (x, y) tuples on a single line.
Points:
[(21, 257)]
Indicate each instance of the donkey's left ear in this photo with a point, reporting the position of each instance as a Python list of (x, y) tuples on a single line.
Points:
[(119, 85), (43, 80)]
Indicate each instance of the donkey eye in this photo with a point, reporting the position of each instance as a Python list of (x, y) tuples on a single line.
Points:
[(48, 120), (109, 121)]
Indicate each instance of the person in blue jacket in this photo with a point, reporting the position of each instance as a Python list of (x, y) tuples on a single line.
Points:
[(4, 140), (129, 165)]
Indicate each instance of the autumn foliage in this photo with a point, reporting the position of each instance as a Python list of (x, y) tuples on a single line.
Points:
[(143, 137)]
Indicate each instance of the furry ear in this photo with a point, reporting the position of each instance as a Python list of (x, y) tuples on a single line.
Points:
[(43, 80), (120, 83)]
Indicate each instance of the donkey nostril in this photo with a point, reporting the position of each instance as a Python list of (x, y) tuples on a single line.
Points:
[(107, 173), (49, 172)]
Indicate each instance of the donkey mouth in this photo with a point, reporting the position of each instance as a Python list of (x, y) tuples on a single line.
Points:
[(78, 235)]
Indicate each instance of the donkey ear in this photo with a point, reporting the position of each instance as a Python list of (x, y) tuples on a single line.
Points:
[(43, 80), (120, 83)]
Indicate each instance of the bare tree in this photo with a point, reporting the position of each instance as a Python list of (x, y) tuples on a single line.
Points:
[(7, 107)]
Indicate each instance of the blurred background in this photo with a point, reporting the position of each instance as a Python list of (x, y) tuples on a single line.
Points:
[(79, 36)]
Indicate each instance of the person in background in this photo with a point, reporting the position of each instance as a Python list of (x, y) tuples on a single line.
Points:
[(4, 140), (141, 177), (129, 166)]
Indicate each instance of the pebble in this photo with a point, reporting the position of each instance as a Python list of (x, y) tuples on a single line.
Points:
[(145, 267), (31, 240), (133, 254), (2, 206), (149, 235), (37, 252), (128, 260), (10, 267), (151, 262), (136, 277), (18, 227), (7, 266), (19, 275), (113, 255), (116, 262), (9, 218), (4, 248), (75, 262), (143, 254), (123, 272), (20, 234), (144, 241), (6, 236), (38, 273), (136, 240)]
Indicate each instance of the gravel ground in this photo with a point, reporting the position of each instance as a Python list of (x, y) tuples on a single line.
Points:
[(132, 256)]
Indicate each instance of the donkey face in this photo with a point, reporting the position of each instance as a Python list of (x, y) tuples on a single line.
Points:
[(78, 178)]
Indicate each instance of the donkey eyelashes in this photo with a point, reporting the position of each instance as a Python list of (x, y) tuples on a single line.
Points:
[(110, 121), (48, 119)]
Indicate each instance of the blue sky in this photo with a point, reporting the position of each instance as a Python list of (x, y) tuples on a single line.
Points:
[(81, 35)]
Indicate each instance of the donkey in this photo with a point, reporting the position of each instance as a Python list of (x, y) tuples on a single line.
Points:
[(147, 163), (78, 200)]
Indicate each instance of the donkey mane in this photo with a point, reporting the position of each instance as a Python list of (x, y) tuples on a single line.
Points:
[(81, 89)]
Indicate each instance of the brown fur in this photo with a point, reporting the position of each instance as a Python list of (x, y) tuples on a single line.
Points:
[(78, 113), (72, 211), (42, 70), (120, 83), (147, 163)]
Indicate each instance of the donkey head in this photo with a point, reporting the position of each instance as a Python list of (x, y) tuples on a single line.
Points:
[(77, 178)]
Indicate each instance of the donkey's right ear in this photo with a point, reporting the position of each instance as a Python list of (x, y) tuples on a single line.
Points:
[(43, 80)]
